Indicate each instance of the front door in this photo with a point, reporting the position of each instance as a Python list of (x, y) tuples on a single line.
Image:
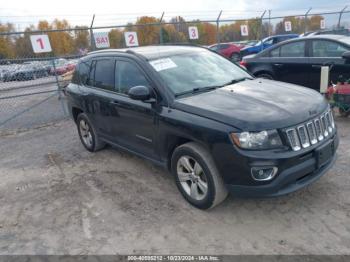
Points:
[(133, 123)]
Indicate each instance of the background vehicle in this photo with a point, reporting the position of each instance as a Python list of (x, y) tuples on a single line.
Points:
[(26, 71), (299, 61), (344, 31), (205, 119), (228, 50), (266, 43)]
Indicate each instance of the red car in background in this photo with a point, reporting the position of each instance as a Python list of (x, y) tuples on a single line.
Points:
[(228, 50)]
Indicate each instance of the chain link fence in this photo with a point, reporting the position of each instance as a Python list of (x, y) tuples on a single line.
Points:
[(32, 85)]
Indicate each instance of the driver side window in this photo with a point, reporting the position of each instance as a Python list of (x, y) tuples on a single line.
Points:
[(129, 75)]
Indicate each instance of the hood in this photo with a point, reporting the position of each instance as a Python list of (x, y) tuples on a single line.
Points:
[(255, 105)]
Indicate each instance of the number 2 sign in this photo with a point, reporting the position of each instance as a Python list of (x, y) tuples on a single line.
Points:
[(131, 39), (40, 43), (193, 32)]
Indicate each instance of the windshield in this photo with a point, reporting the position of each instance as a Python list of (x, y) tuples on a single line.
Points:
[(198, 70)]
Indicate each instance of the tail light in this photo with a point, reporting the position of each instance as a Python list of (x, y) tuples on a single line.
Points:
[(243, 64)]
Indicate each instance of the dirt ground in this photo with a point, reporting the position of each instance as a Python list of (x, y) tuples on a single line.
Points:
[(57, 198)]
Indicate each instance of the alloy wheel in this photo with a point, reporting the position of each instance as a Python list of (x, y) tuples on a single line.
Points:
[(192, 178), (85, 133)]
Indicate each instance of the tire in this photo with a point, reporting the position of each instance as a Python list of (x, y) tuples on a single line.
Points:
[(88, 135), (344, 113), (265, 76), (235, 57), (205, 189)]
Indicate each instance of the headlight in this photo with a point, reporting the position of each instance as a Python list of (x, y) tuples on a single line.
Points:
[(257, 140)]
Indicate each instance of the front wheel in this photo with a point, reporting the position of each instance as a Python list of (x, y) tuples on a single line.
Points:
[(197, 177), (87, 134), (344, 113)]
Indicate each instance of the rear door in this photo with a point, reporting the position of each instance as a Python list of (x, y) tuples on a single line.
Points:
[(327, 52)]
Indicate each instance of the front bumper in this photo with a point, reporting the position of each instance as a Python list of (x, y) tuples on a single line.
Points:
[(289, 180)]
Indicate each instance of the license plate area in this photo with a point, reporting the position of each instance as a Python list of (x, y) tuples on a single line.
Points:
[(324, 154)]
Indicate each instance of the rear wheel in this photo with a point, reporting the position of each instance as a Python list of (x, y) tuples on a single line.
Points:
[(265, 76), (197, 177), (344, 113), (87, 134)]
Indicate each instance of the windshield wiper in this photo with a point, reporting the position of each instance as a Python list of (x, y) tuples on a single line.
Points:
[(235, 81), (197, 90)]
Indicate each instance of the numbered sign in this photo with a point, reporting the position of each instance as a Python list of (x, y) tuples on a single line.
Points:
[(323, 24), (40, 43), (131, 39), (244, 30), (193, 32), (101, 40), (288, 26)]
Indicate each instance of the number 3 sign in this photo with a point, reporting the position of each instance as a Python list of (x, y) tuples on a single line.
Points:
[(193, 32), (40, 43), (131, 39)]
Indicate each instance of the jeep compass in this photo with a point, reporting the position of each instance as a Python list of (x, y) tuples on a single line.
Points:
[(216, 128)]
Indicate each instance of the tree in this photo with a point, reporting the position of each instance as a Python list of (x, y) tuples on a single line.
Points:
[(116, 38), (61, 42), (147, 34), (6, 43), (81, 38)]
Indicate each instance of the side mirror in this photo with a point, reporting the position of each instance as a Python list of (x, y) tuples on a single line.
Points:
[(141, 93), (346, 55)]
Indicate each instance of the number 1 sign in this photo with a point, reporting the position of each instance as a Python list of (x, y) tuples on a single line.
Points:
[(131, 39), (40, 43)]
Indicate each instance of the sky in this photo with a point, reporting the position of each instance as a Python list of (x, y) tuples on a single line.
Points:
[(117, 12)]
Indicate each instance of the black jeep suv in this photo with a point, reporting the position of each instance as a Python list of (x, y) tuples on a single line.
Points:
[(215, 127)]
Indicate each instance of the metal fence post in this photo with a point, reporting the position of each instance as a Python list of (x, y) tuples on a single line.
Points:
[(340, 15), (218, 28), (305, 19), (161, 29), (262, 29), (59, 88), (92, 34), (269, 22)]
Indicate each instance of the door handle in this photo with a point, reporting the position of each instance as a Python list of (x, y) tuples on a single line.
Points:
[(278, 65), (114, 102)]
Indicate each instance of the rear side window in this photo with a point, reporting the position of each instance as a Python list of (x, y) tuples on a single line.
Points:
[(84, 70), (324, 48), (296, 49), (129, 75), (104, 74)]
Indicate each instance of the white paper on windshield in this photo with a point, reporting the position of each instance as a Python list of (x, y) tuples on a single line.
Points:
[(163, 64)]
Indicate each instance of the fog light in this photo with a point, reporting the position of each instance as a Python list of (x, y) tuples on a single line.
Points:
[(263, 173)]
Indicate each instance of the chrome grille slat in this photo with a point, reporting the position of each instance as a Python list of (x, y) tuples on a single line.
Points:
[(303, 136), (293, 139), (312, 132)]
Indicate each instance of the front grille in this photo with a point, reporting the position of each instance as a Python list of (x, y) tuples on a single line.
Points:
[(312, 132)]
